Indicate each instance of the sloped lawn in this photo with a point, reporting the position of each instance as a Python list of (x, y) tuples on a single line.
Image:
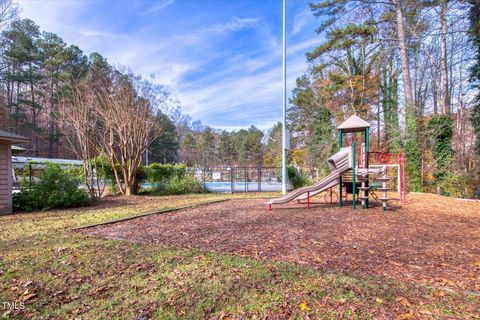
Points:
[(62, 274)]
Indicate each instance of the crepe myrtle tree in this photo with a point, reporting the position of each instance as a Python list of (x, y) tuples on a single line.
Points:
[(80, 121), (127, 109)]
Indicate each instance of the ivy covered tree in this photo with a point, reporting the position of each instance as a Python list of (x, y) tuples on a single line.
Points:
[(440, 134), (323, 142), (389, 101), (475, 35)]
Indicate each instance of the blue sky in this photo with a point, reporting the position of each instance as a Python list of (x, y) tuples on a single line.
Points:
[(221, 59)]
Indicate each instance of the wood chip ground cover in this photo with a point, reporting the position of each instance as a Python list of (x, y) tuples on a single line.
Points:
[(432, 243)]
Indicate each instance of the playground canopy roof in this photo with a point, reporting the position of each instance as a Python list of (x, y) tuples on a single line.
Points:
[(354, 124)]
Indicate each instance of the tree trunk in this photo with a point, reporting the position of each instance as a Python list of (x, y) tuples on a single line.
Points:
[(34, 115), (129, 188), (412, 149), (407, 83), (443, 59)]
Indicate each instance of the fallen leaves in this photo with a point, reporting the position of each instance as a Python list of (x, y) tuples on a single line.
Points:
[(378, 300), (28, 297), (425, 312), (304, 307), (439, 293), (446, 282), (406, 316), (368, 250), (403, 301), (413, 244)]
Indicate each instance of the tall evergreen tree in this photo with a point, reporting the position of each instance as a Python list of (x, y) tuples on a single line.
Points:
[(273, 148), (206, 147), (164, 149), (251, 147), (226, 148), (189, 150), (22, 59), (53, 59)]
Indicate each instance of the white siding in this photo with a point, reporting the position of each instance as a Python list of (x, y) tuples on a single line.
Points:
[(5, 177)]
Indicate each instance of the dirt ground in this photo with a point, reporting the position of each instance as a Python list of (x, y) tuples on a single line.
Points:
[(433, 240)]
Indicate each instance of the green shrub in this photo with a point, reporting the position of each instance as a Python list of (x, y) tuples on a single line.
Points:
[(56, 188), (297, 177), (177, 184), (158, 173), (456, 184)]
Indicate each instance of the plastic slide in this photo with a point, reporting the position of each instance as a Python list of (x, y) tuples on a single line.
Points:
[(339, 163)]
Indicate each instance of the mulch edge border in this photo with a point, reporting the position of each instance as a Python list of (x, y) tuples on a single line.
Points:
[(150, 213)]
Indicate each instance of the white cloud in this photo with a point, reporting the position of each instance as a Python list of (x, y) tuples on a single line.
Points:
[(103, 34), (234, 24), (159, 6), (301, 20), (213, 84), (50, 15), (231, 94)]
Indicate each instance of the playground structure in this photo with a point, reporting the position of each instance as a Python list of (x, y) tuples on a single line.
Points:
[(351, 171)]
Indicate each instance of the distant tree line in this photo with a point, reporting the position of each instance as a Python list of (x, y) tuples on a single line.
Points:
[(47, 84), (410, 68), (203, 146)]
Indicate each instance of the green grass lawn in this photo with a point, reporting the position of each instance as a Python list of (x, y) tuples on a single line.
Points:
[(58, 273)]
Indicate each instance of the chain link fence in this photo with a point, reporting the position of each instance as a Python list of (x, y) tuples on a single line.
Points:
[(239, 179)]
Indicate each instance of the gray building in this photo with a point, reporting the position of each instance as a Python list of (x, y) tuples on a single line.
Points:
[(6, 140)]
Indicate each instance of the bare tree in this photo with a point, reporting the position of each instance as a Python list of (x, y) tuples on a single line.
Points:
[(8, 12), (127, 112), (80, 119)]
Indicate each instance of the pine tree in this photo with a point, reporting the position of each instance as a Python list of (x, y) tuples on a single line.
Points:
[(226, 148), (206, 147), (273, 149), (189, 150), (53, 59), (22, 76), (164, 149)]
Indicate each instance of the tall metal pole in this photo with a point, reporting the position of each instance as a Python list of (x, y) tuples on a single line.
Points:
[(284, 114)]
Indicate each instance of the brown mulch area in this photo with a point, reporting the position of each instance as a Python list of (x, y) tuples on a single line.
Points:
[(434, 240)]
